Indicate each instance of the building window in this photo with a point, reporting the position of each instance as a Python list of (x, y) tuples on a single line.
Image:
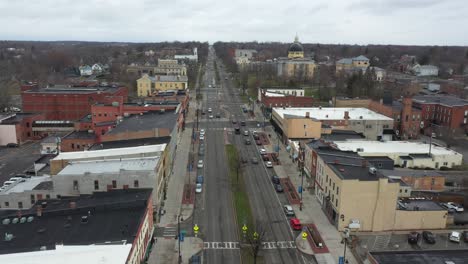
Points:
[(33, 198), (136, 184), (114, 184), (406, 190), (445, 163), (7, 204), (333, 186), (337, 190), (20, 205), (96, 185), (75, 185), (47, 196), (400, 190), (336, 202), (72, 145)]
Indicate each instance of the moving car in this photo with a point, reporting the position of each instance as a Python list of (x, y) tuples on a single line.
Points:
[(202, 131), (246, 132), (413, 237), (269, 164), (295, 224), (275, 179), (247, 141), (198, 188), (12, 145), (288, 210), (242, 123), (254, 160), (428, 237), (218, 115), (210, 110), (210, 116), (262, 151), (278, 188), (200, 164)]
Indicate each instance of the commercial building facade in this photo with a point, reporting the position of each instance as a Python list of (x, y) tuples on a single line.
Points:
[(148, 85)]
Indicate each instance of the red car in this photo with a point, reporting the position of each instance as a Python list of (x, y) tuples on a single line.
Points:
[(295, 224), (258, 142)]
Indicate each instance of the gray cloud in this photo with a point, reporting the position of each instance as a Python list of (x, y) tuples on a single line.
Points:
[(324, 21)]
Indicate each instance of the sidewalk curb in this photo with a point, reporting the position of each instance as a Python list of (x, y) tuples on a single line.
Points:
[(301, 248)]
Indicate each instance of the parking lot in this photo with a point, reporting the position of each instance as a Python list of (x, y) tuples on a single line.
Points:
[(399, 242), (15, 161)]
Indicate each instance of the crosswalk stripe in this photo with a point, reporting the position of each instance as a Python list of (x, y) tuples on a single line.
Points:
[(236, 245)]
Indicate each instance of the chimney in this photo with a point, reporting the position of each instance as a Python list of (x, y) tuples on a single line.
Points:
[(364, 163), (39, 211), (346, 115), (307, 115)]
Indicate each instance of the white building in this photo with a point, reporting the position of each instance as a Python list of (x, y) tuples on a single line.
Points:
[(244, 56), (86, 177), (379, 73), (189, 57), (425, 70), (404, 153), (86, 70), (24, 192), (280, 92)]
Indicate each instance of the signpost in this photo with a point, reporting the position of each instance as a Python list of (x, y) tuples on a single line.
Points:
[(304, 237), (195, 230), (244, 230)]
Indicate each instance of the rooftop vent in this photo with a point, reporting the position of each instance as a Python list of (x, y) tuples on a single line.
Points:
[(6, 221), (15, 220), (8, 237), (360, 117), (359, 150)]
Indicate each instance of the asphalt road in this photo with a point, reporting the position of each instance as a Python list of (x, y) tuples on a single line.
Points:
[(15, 161), (214, 211)]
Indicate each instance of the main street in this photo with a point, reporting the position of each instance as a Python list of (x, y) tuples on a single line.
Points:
[(214, 211)]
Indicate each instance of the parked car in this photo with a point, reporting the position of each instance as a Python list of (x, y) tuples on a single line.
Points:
[(413, 237), (218, 115), (242, 123), (269, 164), (456, 207), (288, 210), (465, 236), (263, 151), (256, 137), (198, 188), (275, 179), (200, 179), (210, 116), (202, 137), (265, 157), (254, 160), (200, 164), (246, 132), (247, 141), (295, 224), (12, 145), (258, 142), (455, 236), (210, 110), (195, 259), (428, 237), (202, 131), (278, 188)]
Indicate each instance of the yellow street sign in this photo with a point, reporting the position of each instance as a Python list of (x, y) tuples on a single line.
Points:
[(304, 235), (255, 235), (244, 228), (195, 228)]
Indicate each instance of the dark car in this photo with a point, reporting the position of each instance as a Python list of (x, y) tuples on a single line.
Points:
[(242, 123), (247, 141), (200, 179), (254, 160), (465, 236), (256, 137), (428, 237), (265, 157), (195, 259), (413, 237), (12, 145), (258, 142), (218, 115), (234, 121), (275, 179), (203, 112), (278, 188)]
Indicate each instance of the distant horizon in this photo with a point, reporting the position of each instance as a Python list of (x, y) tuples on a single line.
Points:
[(359, 22), (250, 41)]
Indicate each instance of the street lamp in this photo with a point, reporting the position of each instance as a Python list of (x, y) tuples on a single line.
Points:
[(179, 218), (301, 160), (345, 238)]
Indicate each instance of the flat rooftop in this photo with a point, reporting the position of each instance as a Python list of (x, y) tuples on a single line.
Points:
[(341, 135), (112, 216), (422, 205), (26, 184), (169, 78), (112, 153), (16, 118), (353, 172), (369, 146), (131, 143), (80, 135), (111, 166), (89, 254), (421, 257), (408, 172), (446, 100), (74, 90), (147, 121), (331, 113)]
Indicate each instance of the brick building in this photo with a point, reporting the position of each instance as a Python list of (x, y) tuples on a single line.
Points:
[(17, 128), (283, 97), (67, 103), (443, 111)]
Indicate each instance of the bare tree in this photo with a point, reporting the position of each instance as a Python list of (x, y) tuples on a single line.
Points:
[(255, 240)]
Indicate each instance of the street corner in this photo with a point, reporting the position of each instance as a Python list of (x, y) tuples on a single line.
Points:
[(303, 245), (186, 211)]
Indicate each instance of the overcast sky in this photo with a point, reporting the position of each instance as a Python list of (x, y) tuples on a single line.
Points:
[(407, 22)]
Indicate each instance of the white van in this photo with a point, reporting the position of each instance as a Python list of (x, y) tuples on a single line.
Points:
[(7, 183), (455, 236)]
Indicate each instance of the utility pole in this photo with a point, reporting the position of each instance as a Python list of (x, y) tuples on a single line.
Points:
[(178, 236), (301, 160)]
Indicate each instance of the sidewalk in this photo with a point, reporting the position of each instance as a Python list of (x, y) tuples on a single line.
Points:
[(311, 209)]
